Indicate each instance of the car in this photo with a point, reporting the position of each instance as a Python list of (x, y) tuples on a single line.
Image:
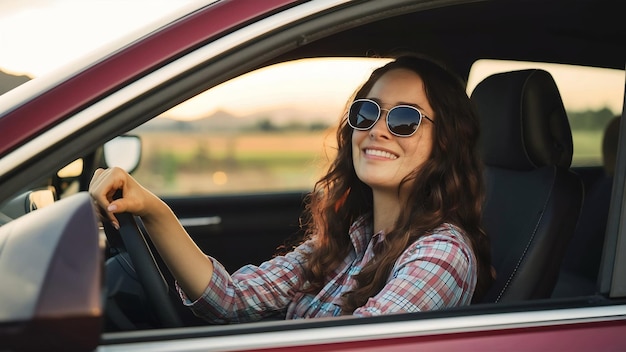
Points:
[(163, 105)]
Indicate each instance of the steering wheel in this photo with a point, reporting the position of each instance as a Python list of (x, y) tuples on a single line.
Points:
[(148, 273)]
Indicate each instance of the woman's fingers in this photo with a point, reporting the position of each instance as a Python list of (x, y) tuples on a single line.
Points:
[(103, 186), (135, 199)]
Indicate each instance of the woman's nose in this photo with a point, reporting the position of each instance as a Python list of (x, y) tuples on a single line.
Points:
[(380, 127)]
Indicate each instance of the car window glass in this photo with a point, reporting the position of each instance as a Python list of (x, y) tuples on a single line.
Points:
[(269, 130), (592, 97)]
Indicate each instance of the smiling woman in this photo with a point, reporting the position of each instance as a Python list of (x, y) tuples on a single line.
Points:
[(409, 246)]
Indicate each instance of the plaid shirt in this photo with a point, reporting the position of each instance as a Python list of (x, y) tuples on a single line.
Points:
[(436, 271)]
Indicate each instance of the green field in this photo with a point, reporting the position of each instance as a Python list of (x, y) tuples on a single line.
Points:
[(176, 163), (587, 148)]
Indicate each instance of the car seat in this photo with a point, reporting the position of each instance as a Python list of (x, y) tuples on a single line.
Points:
[(532, 199)]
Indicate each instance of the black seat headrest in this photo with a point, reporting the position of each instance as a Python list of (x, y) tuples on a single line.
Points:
[(523, 121)]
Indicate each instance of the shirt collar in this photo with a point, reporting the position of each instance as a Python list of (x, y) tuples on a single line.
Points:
[(361, 233)]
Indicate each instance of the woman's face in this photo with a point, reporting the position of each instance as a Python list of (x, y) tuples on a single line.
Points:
[(381, 159)]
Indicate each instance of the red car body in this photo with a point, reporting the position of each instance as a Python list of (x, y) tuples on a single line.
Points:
[(579, 324)]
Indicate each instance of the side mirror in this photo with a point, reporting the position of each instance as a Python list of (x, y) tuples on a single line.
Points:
[(51, 270), (123, 152)]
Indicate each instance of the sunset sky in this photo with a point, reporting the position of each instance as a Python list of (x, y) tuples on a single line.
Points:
[(37, 36)]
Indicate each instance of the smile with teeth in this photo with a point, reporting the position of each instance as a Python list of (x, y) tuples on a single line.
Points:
[(380, 153)]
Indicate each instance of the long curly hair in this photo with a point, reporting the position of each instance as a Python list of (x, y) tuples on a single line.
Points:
[(447, 188)]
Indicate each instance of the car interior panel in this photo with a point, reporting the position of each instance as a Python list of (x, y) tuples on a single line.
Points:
[(270, 221)]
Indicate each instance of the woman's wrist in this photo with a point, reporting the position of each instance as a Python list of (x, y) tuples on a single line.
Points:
[(154, 209)]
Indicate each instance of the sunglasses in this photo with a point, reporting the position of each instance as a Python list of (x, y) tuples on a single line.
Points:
[(402, 120)]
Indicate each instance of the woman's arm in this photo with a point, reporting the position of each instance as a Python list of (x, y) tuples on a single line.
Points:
[(191, 268), (252, 292)]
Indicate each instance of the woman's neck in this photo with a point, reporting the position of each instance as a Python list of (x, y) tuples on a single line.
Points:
[(386, 209)]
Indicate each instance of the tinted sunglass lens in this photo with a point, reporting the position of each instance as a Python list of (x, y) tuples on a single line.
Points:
[(403, 120), (363, 114)]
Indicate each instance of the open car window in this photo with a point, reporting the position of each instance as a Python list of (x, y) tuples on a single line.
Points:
[(270, 130)]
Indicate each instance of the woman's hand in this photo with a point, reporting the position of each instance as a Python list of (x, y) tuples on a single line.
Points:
[(135, 199), (191, 268)]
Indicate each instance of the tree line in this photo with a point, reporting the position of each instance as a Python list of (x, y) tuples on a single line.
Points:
[(590, 120)]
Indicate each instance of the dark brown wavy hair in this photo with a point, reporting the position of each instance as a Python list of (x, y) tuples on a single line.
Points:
[(447, 188)]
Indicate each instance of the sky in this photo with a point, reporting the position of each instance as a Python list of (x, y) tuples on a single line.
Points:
[(37, 36), (40, 36), (320, 87)]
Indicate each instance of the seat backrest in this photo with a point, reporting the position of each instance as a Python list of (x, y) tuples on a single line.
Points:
[(533, 200)]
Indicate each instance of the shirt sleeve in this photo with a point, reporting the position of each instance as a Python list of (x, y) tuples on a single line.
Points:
[(252, 292), (435, 272)]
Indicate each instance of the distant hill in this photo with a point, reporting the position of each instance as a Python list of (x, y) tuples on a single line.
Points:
[(9, 81), (220, 121), (225, 121)]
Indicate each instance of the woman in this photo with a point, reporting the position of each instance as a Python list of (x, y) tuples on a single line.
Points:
[(394, 224)]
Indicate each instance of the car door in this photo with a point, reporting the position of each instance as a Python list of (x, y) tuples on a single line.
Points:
[(125, 102)]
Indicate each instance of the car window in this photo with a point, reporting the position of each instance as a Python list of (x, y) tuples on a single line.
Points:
[(269, 130), (592, 98)]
